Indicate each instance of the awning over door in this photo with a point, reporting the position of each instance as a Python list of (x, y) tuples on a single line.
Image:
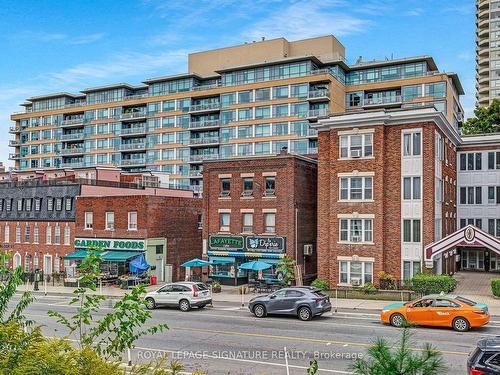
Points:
[(467, 236), (108, 256)]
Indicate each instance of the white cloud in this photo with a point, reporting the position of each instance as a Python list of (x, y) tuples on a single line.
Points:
[(414, 12), (85, 39), (45, 37)]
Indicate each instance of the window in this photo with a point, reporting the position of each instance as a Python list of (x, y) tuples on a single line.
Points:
[(35, 233), (247, 220), (224, 221), (20, 205), (244, 97), (89, 220), (494, 160), (493, 229), (471, 195), (355, 273), (28, 204), (411, 188), (411, 230), (355, 146), (6, 233), (262, 112), (494, 194), (48, 235), (471, 161), (57, 234), (436, 90), (247, 186), (27, 233), (412, 144), (69, 203), (270, 185), (8, 204), (356, 188), (38, 204), (262, 148), (58, 204), (262, 130), (244, 114), (132, 220), (225, 187), (262, 94), (410, 269), (18, 234), (110, 220), (67, 235), (280, 92), (244, 131), (280, 128), (269, 222), (356, 230)]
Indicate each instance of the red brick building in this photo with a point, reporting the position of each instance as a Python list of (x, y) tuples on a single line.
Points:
[(167, 229), (260, 208), (386, 188)]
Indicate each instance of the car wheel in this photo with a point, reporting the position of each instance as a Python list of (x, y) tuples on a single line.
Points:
[(184, 305), (461, 324), (397, 320), (304, 313), (150, 303), (259, 311)]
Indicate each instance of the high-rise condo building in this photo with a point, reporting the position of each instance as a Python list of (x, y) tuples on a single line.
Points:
[(247, 100), (487, 51)]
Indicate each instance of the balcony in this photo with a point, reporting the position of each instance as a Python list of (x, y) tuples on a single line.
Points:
[(383, 100), (133, 115), (72, 122), (133, 131), (73, 151), (73, 136), (204, 140), (315, 113), (318, 95), (202, 157), (204, 124), (209, 107), (14, 129), (15, 156), (14, 143), (130, 162), (195, 173), (132, 146), (80, 164)]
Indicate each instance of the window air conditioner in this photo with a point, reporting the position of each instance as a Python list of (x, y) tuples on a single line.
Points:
[(247, 193), (224, 194), (355, 153), (355, 281), (308, 249)]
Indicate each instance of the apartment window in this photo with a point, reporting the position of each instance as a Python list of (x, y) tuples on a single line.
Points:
[(227, 99), (280, 128), (48, 235), (38, 204), (224, 222), (69, 203), (247, 220), (411, 230), (412, 144), (20, 205), (6, 233), (225, 187), (58, 204), (411, 188), (494, 227), (471, 195), (67, 235), (262, 112), (269, 222), (356, 230), (494, 160), (18, 234), (57, 234), (1, 204), (471, 161), (132, 220), (35, 233), (247, 186), (8, 204), (27, 233), (262, 94), (244, 97), (110, 220), (410, 269), (89, 220), (355, 273), (356, 188), (494, 194), (270, 183), (28, 204), (262, 148), (355, 146), (244, 114), (280, 92), (262, 130)]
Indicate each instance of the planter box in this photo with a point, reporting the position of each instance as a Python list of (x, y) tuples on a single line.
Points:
[(383, 295)]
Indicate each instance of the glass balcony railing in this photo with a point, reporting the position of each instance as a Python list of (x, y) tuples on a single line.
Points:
[(203, 123), (318, 94), (74, 121), (129, 115), (73, 151), (132, 146), (321, 112), (201, 157), (72, 136), (135, 161), (383, 100), (204, 107), (204, 140), (134, 130)]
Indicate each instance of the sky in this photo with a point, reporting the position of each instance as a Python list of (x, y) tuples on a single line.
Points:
[(52, 46)]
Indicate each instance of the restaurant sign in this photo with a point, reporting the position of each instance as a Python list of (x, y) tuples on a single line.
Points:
[(225, 242), (110, 243), (266, 244)]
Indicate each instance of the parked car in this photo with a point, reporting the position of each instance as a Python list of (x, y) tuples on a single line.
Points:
[(184, 295), (305, 302), (485, 359), (442, 310)]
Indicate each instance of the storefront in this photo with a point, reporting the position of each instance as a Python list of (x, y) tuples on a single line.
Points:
[(227, 253)]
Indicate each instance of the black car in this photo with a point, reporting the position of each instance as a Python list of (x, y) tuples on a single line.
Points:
[(485, 359), (304, 302)]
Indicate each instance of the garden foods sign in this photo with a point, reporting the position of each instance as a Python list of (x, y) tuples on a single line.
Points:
[(110, 244)]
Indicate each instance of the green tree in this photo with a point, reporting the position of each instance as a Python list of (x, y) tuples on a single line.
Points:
[(286, 267), (486, 120), (386, 359)]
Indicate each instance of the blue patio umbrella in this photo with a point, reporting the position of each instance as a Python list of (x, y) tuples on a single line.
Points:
[(255, 265), (196, 263)]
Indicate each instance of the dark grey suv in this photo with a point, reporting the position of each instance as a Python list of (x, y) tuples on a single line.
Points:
[(305, 302)]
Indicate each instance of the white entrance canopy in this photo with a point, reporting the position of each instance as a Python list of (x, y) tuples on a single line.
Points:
[(467, 236)]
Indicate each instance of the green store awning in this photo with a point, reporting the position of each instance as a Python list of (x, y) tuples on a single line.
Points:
[(108, 256)]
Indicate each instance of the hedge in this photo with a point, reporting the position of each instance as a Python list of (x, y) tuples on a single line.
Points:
[(495, 287), (433, 284)]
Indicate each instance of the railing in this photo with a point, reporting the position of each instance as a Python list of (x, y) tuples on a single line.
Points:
[(14, 156), (74, 165), (137, 130), (73, 150), (132, 146), (133, 161), (204, 140), (74, 121), (323, 112), (201, 157), (383, 100), (206, 87), (313, 150), (14, 129), (72, 136), (314, 94), (195, 173), (14, 143), (204, 123), (204, 107), (125, 116), (134, 97)]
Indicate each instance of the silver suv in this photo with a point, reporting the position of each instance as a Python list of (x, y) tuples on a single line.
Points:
[(182, 294)]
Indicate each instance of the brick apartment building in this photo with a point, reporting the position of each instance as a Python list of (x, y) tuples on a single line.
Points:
[(386, 187), (260, 209), (167, 229)]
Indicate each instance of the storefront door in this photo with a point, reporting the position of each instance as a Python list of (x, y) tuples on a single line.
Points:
[(473, 259)]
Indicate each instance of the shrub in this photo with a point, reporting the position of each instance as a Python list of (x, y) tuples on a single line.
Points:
[(369, 288), (495, 287), (427, 284), (320, 284), (387, 281)]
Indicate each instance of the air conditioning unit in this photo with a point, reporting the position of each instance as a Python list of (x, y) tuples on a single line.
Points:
[(355, 281), (308, 249), (356, 239), (355, 153), (224, 193), (247, 193), (269, 193)]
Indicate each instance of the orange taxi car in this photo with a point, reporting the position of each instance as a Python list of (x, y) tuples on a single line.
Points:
[(438, 310)]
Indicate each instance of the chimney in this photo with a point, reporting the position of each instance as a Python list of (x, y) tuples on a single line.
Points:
[(284, 151)]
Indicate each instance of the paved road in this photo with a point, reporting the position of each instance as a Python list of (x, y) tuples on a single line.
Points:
[(227, 340)]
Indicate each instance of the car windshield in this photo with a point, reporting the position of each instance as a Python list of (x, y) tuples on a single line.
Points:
[(466, 301)]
